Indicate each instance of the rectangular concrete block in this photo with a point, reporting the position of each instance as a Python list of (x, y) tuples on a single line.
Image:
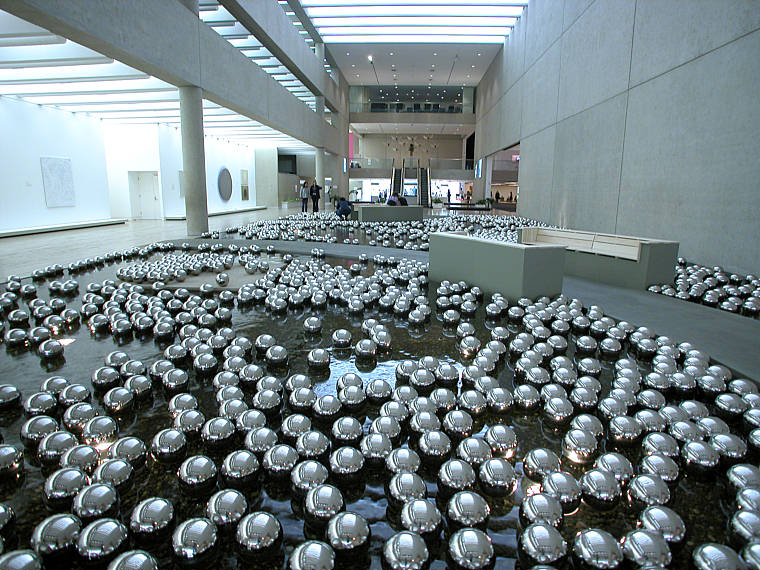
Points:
[(515, 270), (626, 261), (383, 213)]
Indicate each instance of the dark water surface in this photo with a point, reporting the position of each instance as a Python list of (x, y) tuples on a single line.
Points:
[(699, 503)]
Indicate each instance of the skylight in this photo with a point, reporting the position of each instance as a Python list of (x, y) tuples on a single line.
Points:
[(420, 21)]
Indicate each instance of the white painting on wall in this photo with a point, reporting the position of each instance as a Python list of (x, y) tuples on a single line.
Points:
[(57, 181)]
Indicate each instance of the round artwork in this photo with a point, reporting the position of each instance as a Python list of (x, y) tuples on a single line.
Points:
[(224, 183)]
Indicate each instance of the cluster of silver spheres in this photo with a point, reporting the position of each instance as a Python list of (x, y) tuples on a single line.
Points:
[(437, 432), (326, 227), (714, 287)]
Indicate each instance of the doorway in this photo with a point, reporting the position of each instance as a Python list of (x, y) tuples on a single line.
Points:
[(144, 197)]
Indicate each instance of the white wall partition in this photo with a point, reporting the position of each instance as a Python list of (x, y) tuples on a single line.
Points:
[(30, 132)]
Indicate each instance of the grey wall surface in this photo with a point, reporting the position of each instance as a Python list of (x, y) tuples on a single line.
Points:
[(635, 117)]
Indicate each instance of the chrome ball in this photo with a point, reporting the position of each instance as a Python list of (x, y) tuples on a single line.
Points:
[(600, 489), (497, 477), (467, 509), (55, 539), (455, 475), (133, 560), (470, 549), (712, 555), (541, 508), (194, 540), (647, 490), (96, 501), (347, 533), (563, 487), (151, 520), (312, 555), (665, 521), (405, 551), (226, 508), (596, 549), (421, 516), (539, 462), (646, 548), (101, 541), (307, 475), (60, 488), (258, 534), (579, 446), (404, 487), (541, 543), (321, 504), (197, 474), (618, 465), (279, 460)]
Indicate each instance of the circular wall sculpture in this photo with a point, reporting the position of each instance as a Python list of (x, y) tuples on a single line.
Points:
[(224, 184)]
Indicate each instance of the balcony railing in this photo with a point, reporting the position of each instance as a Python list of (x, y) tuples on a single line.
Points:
[(404, 107)]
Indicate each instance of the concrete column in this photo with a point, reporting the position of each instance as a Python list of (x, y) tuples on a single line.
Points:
[(464, 153), (193, 159), (319, 173), (341, 178), (482, 186)]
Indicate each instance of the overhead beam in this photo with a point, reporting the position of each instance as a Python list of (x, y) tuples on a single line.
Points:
[(167, 41), (267, 21)]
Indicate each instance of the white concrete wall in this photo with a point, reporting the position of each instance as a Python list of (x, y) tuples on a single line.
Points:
[(170, 155), (635, 117), (128, 148), (381, 146), (29, 132)]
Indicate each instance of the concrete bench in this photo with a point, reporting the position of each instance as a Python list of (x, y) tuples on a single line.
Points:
[(383, 213), (513, 269), (626, 261)]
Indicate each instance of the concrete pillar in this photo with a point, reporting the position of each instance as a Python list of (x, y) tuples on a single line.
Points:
[(482, 186), (341, 178), (193, 159), (464, 153), (319, 173), (319, 50)]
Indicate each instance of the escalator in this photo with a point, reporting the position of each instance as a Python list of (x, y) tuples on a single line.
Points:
[(397, 179), (423, 184)]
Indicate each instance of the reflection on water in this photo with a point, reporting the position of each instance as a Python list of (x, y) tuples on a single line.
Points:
[(85, 352)]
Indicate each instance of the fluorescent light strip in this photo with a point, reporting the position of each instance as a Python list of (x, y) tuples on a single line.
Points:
[(419, 39), (411, 10), (491, 3), (463, 20), (140, 85), (415, 30)]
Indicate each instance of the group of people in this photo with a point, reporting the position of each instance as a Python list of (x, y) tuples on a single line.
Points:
[(310, 191)]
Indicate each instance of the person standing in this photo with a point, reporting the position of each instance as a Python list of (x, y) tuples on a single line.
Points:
[(304, 196), (314, 193)]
